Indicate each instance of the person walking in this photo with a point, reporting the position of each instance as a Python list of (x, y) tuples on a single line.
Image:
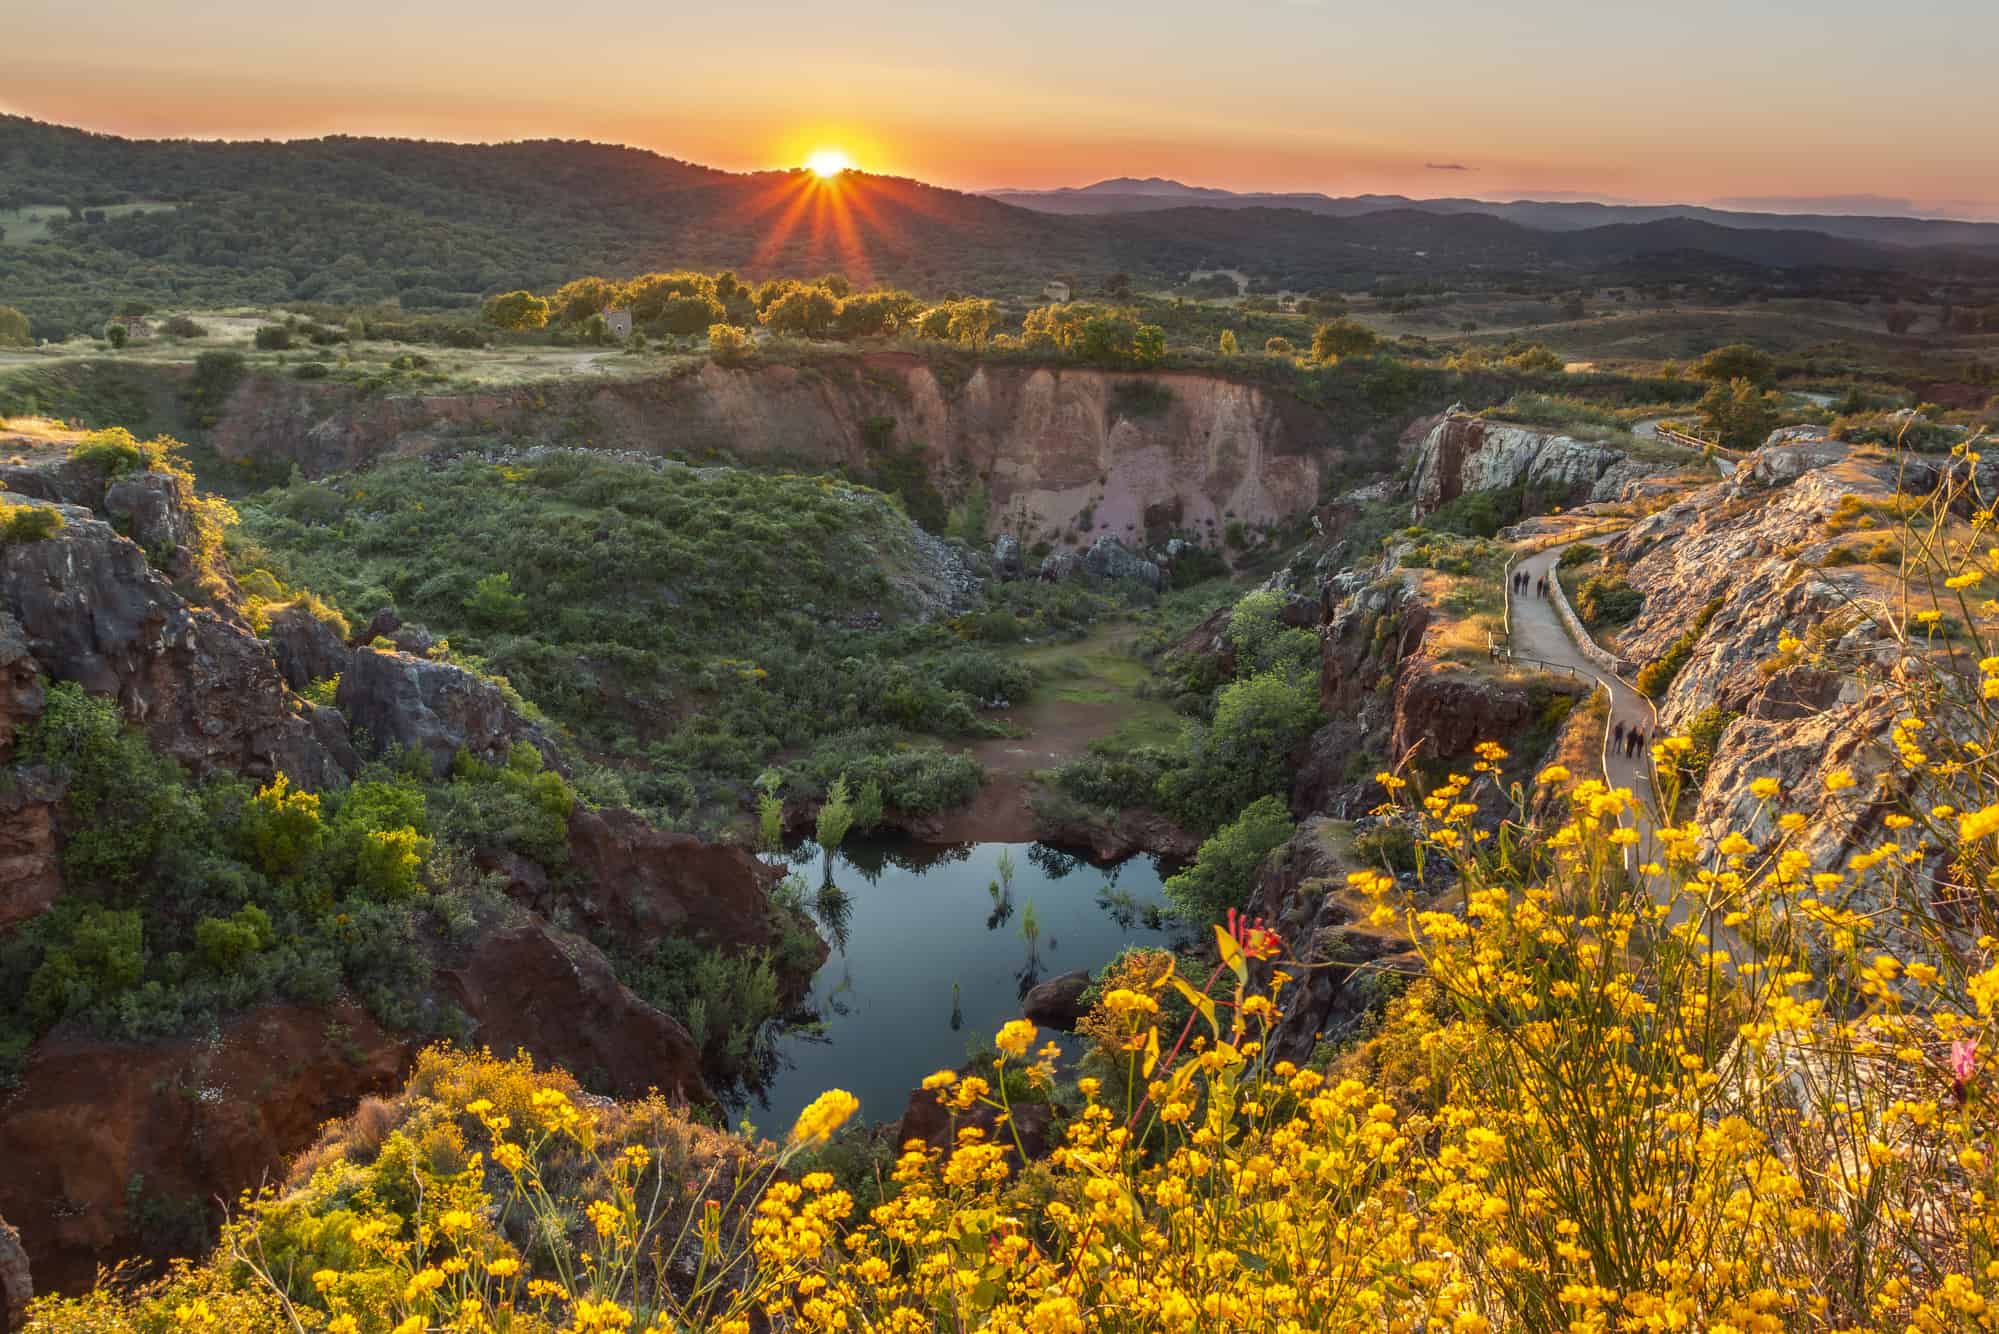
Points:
[(1617, 735)]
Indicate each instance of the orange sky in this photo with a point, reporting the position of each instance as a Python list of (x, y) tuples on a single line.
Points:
[(1705, 101)]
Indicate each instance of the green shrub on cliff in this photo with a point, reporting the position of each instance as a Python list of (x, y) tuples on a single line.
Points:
[(1225, 870)]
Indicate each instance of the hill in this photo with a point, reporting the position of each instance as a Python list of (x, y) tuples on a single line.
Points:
[(89, 223)]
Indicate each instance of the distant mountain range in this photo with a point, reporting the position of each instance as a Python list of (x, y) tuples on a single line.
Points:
[(1127, 194)]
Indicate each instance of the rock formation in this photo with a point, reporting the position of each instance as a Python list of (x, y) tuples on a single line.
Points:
[(1464, 453), (16, 1286)]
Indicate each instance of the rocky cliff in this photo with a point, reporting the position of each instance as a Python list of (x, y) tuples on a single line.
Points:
[(1073, 448), (1463, 453), (112, 1148)]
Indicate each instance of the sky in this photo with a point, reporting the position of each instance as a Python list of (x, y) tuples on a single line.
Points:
[(1873, 108)]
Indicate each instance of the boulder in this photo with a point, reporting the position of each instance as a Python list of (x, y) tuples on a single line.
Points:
[(384, 623), (1108, 558), (433, 708), (1006, 557), (307, 648), (1058, 1002), (412, 637), (1462, 454), (1779, 464), (1058, 566), (152, 509)]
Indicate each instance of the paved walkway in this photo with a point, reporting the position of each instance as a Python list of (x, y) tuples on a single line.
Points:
[(1538, 633)]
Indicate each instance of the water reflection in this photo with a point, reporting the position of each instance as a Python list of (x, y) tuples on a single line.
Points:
[(932, 949)]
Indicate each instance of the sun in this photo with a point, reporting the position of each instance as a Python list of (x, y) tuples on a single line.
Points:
[(827, 163)]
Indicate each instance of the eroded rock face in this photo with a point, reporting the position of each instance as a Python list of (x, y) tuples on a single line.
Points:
[(644, 882), (1108, 558), (98, 1125), (432, 708), (205, 690), (553, 995), (30, 872), (1463, 454)]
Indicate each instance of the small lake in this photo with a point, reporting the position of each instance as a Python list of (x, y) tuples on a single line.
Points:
[(929, 959)]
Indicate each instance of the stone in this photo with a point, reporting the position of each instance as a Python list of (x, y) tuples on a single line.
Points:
[(1058, 566), (1462, 454), (206, 691), (30, 869), (1058, 1002), (1108, 558), (307, 648), (384, 623), (16, 1285), (21, 697), (1006, 557), (152, 509), (433, 708)]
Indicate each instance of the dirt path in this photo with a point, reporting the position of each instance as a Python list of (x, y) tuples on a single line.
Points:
[(1087, 692)]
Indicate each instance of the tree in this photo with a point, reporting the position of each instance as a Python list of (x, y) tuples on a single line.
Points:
[(1277, 347), (1736, 361), (13, 328), (117, 334), (971, 321), (1228, 342), (728, 343), (1739, 414), (516, 312), (1342, 337), (1118, 285), (494, 604), (1148, 345), (1106, 339), (808, 312)]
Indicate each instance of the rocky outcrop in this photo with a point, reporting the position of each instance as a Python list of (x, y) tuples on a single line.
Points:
[(1006, 558), (117, 1148), (534, 989), (1443, 710), (1352, 968), (1464, 453), (1058, 1002), (307, 648), (434, 709), (16, 1285), (204, 689), (1052, 444), (1110, 559)]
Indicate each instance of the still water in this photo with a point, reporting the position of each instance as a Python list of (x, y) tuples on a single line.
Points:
[(929, 959)]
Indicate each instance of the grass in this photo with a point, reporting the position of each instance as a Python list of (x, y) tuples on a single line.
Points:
[(30, 223)]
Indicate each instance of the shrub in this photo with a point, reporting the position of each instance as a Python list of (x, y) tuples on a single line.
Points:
[(28, 523), (1224, 871), (1605, 600), (182, 326), (1656, 676), (273, 338)]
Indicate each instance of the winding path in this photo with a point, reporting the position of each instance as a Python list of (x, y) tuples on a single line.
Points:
[(1538, 633)]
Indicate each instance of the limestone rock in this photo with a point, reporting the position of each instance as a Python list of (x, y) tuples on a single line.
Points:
[(1463, 454)]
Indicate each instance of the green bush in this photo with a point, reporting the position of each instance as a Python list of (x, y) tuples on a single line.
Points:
[(21, 524), (1656, 676), (1224, 871), (1245, 752), (273, 338), (1605, 600)]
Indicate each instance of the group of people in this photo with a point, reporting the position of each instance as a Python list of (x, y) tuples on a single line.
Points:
[(1521, 584), (1629, 741)]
